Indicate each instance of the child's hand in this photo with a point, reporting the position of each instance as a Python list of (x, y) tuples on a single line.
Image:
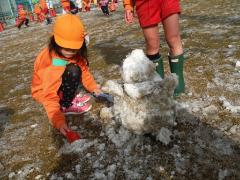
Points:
[(64, 129), (128, 16), (97, 91), (68, 133)]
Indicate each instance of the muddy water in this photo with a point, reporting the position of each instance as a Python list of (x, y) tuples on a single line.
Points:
[(206, 148)]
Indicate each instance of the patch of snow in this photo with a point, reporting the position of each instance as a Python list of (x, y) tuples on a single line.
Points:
[(76, 147), (164, 136), (228, 106)]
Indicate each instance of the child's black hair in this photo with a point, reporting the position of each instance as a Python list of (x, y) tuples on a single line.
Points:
[(52, 46)]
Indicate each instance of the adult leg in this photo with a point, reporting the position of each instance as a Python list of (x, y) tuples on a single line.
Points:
[(176, 58), (172, 34), (152, 39)]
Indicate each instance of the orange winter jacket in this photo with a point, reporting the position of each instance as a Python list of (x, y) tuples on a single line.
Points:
[(86, 3), (43, 4), (65, 3), (47, 79), (128, 4), (22, 14), (37, 9)]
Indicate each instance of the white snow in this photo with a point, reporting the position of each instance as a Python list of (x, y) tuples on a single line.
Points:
[(229, 106), (147, 103), (137, 67)]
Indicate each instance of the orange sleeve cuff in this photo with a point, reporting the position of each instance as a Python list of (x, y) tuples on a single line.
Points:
[(128, 7), (58, 120), (128, 4), (55, 116)]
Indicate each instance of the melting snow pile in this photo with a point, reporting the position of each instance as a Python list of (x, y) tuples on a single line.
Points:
[(144, 102)]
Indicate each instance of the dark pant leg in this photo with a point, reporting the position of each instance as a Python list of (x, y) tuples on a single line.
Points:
[(48, 20), (106, 10), (20, 24), (26, 22), (70, 82), (102, 8)]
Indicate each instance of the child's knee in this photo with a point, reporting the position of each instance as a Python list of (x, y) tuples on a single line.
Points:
[(73, 70)]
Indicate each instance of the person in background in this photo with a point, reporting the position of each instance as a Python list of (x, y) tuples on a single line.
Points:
[(79, 5), (65, 6), (104, 6), (45, 11), (22, 17), (113, 6), (65, 61), (51, 9), (1, 26), (38, 12), (87, 5), (150, 14), (73, 8)]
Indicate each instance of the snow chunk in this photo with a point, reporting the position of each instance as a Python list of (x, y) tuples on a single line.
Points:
[(238, 64), (106, 113), (164, 136), (113, 88), (141, 89), (76, 147), (147, 103), (137, 67), (228, 106)]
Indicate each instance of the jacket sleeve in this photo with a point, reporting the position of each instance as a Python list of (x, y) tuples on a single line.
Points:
[(128, 4), (87, 78), (36, 88), (52, 81)]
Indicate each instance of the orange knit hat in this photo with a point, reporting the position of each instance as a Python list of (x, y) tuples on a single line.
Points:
[(68, 31)]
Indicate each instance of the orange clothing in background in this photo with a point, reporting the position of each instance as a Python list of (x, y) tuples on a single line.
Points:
[(44, 6), (37, 9), (66, 4), (87, 4), (47, 79), (128, 4), (38, 12), (22, 14), (112, 7)]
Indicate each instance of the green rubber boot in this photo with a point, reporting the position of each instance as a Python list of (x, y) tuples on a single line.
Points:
[(176, 66), (159, 66)]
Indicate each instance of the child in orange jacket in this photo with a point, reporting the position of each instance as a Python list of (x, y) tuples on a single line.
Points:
[(58, 71), (38, 12), (65, 6), (104, 6), (22, 16), (87, 5), (45, 11)]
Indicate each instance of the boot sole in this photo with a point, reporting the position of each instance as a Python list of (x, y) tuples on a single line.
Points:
[(85, 100)]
